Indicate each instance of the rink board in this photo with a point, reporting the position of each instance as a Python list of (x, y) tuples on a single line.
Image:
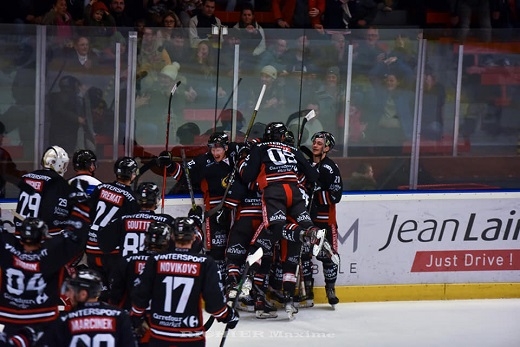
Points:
[(419, 246)]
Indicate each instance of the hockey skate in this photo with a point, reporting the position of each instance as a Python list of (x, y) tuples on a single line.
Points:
[(331, 295), (263, 310), (290, 309), (246, 304), (275, 298), (305, 300)]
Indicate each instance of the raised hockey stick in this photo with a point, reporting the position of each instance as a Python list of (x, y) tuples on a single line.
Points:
[(231, 179), (163, 192), (251, 259), (307, 118), (188, 179)]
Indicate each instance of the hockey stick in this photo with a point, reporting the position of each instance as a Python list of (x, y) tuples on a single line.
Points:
[(188, 179), (163, 192), (307, 118), (251, 259), (231, 179)]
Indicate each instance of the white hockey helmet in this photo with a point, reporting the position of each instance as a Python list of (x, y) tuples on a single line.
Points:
[(55, 158)]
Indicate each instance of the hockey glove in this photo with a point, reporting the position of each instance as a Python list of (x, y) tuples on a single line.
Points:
[(140, 326), (196, 213), (232, 318), (164, 159)]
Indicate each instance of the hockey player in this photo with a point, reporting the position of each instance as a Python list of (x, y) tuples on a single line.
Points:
[(172, 285), (32, 268), (110, 201), (276, 165), (91, 322), (26, 337), (327, 194), (157, 241), (45, 193), (211, 171), (84, 162), (126, 234)]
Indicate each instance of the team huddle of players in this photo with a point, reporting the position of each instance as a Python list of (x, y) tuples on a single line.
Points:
[(120, 266)]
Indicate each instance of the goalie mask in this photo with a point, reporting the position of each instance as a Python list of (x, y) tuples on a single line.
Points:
[(56, 159)]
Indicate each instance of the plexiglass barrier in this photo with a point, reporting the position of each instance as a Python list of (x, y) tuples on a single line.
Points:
[(418, 108)]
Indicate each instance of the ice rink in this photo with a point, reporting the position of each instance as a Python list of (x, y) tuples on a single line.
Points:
[(471, 323)]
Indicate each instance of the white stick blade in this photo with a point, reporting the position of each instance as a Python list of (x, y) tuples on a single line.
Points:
[(310, 115)]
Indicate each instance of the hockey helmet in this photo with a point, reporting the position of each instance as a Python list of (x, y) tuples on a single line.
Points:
[(274, 131), (184, 229), (56, 159), (87, 279), (218, 139), (148, 194), (330, 141), (83, 159), (33, 230), (125, 167), (289, 138), (158, 236)]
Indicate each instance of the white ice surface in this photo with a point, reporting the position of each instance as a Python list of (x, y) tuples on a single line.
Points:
[(467, 323)]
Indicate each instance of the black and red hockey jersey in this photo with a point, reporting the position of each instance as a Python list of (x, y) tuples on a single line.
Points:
[(109, 201), (126, 234), (30, 283), (275, 163), (92, 324), (176, 283), (122, 279), (48, 201), (328, 194)]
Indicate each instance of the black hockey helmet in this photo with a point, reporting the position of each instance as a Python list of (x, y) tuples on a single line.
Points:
[(125, 167), (218, 139), (289, 138), (330, 140), (33, 230), (83, 158), (184, 228), (148, 194), (158, 236), (87, 279), (274, 131)]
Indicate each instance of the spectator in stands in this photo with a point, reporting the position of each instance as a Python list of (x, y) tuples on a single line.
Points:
[(177, 48), (392, 111), (252, 34), (353, 14), (188, 9), (68, 119), (461, 11), (104, 32), (121, 17), (362, 178), (169, 23), (330, 96), (298, 13), (187, 132), (302, 55), (201, 75), (276, 55), (336, 53), (434, 98), (404, 49), (156, 9), (200, 25), (368, 52), (273, 103), (61, 23), (149, 57)]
